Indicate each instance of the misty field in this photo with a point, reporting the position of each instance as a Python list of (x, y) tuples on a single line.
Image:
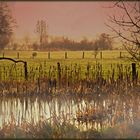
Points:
[(69, 96)]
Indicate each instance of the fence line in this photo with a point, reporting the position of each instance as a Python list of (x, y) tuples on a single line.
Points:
[(68, 54)]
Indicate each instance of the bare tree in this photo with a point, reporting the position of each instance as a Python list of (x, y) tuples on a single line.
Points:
[(41, 30), (7, 22), (126, 25), (96, 52), (104, 42), (27, 41)]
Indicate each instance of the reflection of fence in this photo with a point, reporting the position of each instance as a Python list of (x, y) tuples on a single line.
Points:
[(68, 54)]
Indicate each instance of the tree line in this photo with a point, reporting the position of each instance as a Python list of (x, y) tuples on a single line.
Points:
[(103, 42)]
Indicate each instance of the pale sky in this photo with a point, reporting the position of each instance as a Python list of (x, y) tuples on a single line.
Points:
[(72, 19)]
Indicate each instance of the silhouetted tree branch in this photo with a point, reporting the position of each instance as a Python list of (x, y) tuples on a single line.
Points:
[(126, 25)]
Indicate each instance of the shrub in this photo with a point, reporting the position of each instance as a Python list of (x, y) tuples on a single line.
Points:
[(34, 54)]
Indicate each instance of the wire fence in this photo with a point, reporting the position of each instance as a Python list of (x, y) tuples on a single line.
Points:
[(110, 54)]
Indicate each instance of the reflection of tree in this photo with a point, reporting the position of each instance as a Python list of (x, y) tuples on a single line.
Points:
[(126, 25), (6, 25)]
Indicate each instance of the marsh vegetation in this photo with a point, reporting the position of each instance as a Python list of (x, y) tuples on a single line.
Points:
[(67, 99)]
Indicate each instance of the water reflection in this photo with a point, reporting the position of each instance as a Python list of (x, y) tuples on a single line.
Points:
[(112, 109)]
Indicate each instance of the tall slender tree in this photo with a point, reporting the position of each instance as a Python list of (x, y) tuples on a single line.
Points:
[(41, 30)]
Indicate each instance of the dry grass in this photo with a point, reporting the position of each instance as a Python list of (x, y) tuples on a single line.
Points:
[(44, 129)]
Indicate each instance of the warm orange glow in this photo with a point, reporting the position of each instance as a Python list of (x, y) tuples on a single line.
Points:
[(71, 19)]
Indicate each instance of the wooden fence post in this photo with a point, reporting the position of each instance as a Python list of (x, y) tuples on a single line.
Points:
[(59, 73), (66, 55), (101, 55), (25, 70), (120, 54), (83, 56), (134, 73), (49, 55)]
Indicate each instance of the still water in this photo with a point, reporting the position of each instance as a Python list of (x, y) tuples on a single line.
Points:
[(66, 107)]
